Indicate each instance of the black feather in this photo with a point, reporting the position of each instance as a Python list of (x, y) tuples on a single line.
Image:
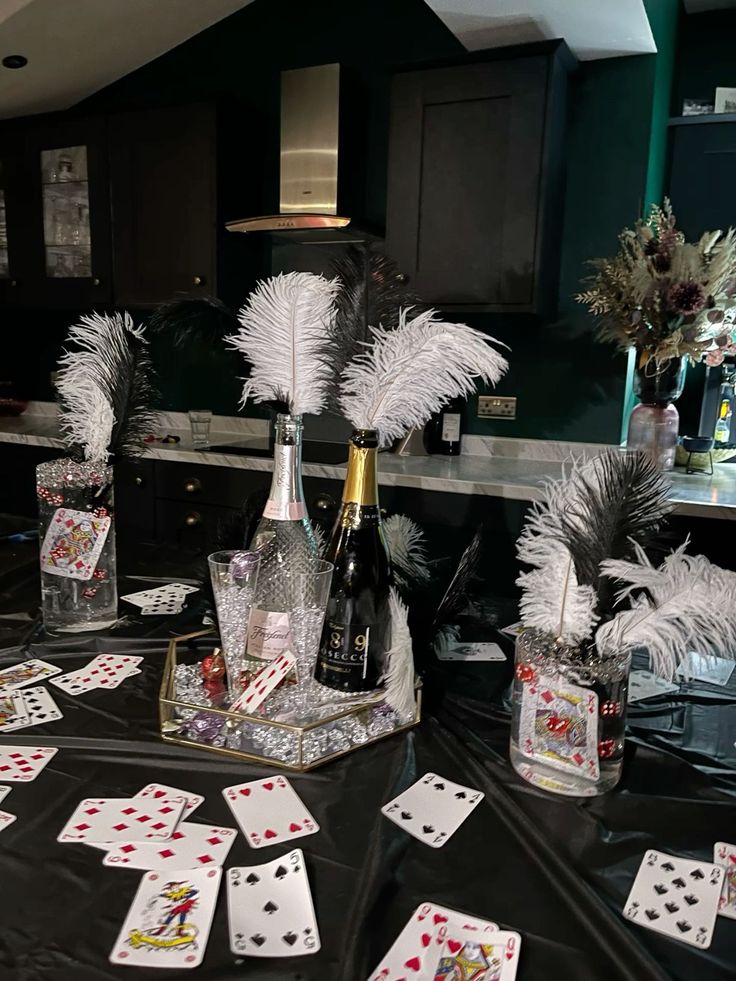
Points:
[(132, 398), (373, 291), (456, 593), (204, 322), (619, 499)]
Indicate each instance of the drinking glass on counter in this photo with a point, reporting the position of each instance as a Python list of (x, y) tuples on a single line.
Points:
[(199, 421)]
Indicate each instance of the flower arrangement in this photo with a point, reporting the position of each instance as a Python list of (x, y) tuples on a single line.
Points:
[(667, 297)]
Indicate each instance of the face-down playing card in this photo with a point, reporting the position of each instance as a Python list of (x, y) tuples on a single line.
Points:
[(169, 921), (432, 809), (270, 910), (676, 896), (269, 811)]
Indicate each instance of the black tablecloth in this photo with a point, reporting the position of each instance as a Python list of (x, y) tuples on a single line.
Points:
[(555, 869)]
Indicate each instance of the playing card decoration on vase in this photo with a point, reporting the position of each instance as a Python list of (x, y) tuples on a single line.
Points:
[(592, 598), (105, 407), (673, 302)]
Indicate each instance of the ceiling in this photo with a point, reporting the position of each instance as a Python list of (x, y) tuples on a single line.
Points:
[(75, 47), (592, 28)]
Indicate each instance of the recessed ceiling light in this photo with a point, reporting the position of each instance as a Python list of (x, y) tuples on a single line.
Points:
[(15, 61)]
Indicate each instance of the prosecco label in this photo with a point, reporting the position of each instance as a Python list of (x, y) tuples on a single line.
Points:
[(345, 648)]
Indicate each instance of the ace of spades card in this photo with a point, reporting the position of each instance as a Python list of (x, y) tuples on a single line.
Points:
[(677, 897), (269, 811), (169, 921), (432, 809), (725, 855), (559, 725), (270, 909), (73, 543)]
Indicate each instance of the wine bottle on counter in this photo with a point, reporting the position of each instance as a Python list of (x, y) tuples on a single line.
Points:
[(443, 433), (286, 540), (356, 629)]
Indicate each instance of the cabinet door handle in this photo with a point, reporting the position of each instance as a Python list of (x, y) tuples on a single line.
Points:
[(324, 502), (193, 519), (138, 481), (13, 282), (192, 486), (96, 281), (199, 280)]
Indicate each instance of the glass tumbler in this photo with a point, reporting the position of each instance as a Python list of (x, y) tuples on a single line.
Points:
[(234, 575), (199, 421), (568, 716), (309, 592)]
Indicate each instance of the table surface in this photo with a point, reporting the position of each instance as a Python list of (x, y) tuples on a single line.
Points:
[(555, 869)]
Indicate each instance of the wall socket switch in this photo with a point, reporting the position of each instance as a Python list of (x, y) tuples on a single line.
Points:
[(496, 407)]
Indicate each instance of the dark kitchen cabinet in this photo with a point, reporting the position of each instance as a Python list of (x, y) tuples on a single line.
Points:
[(701, 180), (475, 179), (164, 204)]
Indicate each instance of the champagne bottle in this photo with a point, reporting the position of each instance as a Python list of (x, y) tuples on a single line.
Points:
[(287, 543), (356, 629)]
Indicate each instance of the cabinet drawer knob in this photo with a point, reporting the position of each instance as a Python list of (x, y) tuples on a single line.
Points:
[(199, 280), (193, 519), (138, 481), (402, 277), (13, 282), (96, 281), (324, 502), (192, 486)]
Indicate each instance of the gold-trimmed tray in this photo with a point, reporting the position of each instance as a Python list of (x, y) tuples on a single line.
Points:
[(258, 739)]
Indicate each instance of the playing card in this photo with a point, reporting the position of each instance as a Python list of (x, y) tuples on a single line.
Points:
[(701, 667), (644, 684), (264, 683), (270, 909), (168, 923), (161, 790), (725, 856), (162, 606), (13, 712), (676, 896), (103, 671), (513, 629), (6, 819), (147, 597), (494, 957), (40, 706), (269, 811), (123, 819), (417, 946), (191, 846), (4, 791), (559, 725), (24, 763), (432, 809), (472, 652), (26, 673), (73, 543)]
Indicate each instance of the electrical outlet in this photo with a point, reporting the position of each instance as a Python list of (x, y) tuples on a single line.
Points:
[(496, 407)]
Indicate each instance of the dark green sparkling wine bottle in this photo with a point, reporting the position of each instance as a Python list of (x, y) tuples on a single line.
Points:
[(356, 630)]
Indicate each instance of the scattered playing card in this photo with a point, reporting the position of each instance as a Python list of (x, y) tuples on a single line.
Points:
[(13, 712), (168, 923), (472, 652), (26, 673), (149, 597), (191, 846), (165, 606), (73, 543), (417, 946), (161, 790), (725, 856), (513, 629), (676, 896), (123, 819), (264, 683), (270, 909), (103, 671), (269, 811), (4, 791), (6, 819), (644, 684), (559, 725), (24, 763), (432, 809), (700, 667), (494, 957), (40, 706)]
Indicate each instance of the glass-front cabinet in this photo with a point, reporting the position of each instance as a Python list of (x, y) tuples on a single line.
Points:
[(66, 231)]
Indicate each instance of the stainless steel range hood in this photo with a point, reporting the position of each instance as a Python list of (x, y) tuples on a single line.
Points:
[(310, 130)]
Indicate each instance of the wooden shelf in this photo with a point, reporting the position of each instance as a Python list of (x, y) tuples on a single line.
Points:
[(710, 117)]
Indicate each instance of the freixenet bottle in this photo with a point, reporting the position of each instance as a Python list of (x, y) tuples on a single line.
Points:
[(286, 541), (356, 630)]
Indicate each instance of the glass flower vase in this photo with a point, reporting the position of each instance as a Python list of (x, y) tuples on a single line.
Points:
[(77, 538), (568, 716), (654, 423)]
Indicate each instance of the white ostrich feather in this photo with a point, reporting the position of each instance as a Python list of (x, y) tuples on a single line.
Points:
[(407, 546), (689, 604), (399, 674), (406, 374), (86, 377), (284, 335)]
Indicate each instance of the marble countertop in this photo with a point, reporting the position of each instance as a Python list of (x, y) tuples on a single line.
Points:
[(496, 468)]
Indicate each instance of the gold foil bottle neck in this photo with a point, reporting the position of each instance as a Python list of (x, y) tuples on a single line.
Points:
[(361, 480)]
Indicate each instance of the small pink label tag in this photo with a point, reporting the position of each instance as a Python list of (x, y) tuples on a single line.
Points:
[(285, 511)]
